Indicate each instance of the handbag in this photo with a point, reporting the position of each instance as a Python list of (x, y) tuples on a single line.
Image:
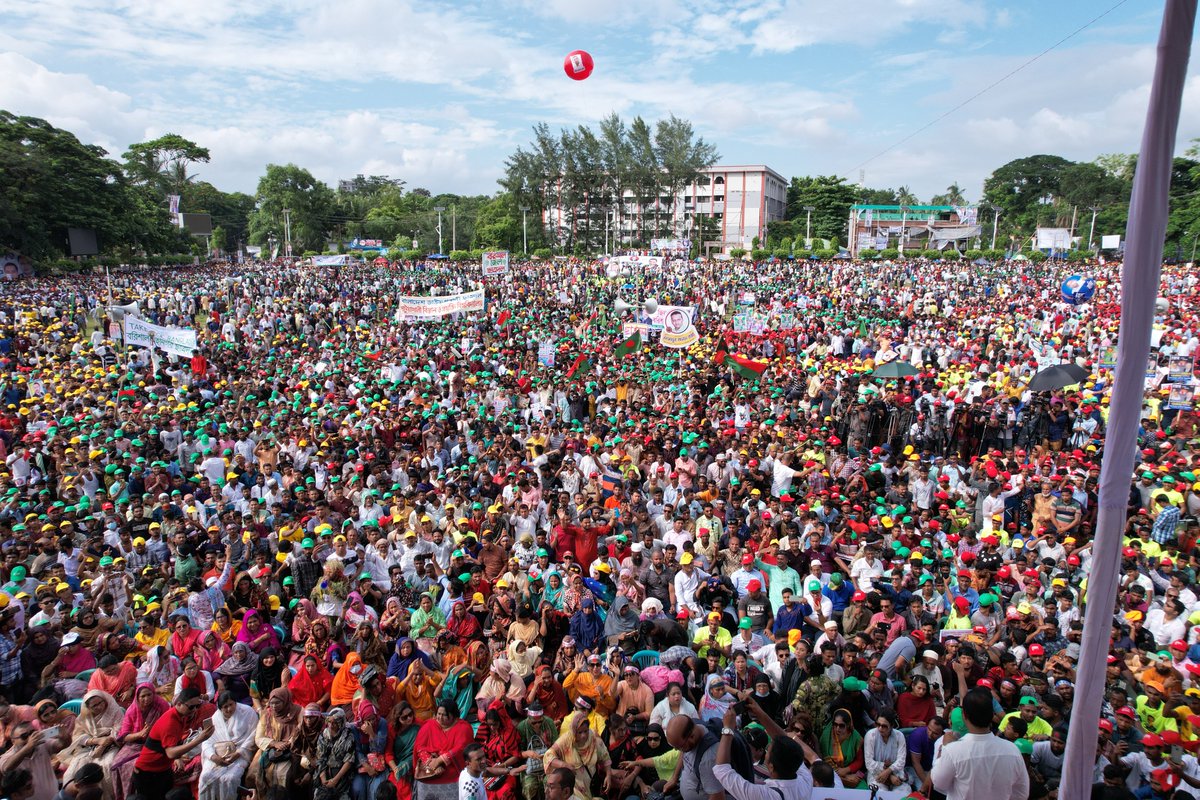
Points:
[(534, 766), (423, 771), (275, 756)]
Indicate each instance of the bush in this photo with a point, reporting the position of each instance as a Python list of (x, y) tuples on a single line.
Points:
[(760, 255), (477, 255), (785, 244), (737, 252), (543, 253), (781, 253), (826, 253), (834, 244), (310, 253), (889, 253), (411, 255), (1037, 256), (974, 254), (460, 255)]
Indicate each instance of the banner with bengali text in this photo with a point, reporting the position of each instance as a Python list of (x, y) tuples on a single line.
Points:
[(417, 309)]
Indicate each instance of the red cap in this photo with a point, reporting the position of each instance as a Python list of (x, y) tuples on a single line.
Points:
[(979, 629), (1126, 711), (754, 585), (962, 602), (985, 683), (1073, 560), (1166, 562), (1004, 572), (1106, 726), (1179, 644), (683, 614), (1150, 740), (748, 558), (1037, 650), (858, 596)]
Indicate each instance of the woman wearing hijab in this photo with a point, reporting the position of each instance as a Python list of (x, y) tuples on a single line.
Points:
[(842, 748), (346, 681), (554, 590), (114, 676), (37, 654), (437, 753), (87, 626), (390, 620), (449, 652), (226, 754), (501, 683), (273, 765), (266, 677), (306, 616), (184, 638), (548, 693), (213, 651), (580, 750), (428, 619), (523, 658), (502, 745), (459, 688), (337, 759), (258, 634), (463, 624), (235, 673), (357, 612), (656, 759), (586, 625), (716, 698), (95, 736), (143, 712), (419, 690), (629, 588), (304, 747), (322, 645), (160, 669), (371, 738), (312, 684), (621, 625), (406, 653)]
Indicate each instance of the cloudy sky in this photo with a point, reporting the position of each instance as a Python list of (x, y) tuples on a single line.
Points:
[(438, 93)]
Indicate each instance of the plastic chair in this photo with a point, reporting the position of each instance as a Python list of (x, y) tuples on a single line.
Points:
[(85, 676), (645, 658), (280, 632), (73, 706)]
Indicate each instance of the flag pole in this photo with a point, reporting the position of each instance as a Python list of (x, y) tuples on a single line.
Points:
[(1139, 288)]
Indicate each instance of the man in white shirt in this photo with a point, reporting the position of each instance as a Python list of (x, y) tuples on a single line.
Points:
[(980, 764)]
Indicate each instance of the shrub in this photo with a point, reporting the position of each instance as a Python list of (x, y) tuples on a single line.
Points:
[(889, 253), (974, 254), (760, 255), (1037, 256), (411, 255), (737, 252), (543, 252), (460, 255), (825, 253)]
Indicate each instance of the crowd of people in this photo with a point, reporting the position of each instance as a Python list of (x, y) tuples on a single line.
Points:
[(340, 555)]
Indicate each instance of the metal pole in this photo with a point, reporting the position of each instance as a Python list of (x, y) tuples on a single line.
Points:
[(439, 210), (808, 226), (903, 228), (454, 227), (524, 232), (1092, 230), (995, 221), (1194, 238), (1148, 210), (287, 232)]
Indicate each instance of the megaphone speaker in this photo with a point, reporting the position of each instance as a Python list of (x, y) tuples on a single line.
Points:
[(650, 306)]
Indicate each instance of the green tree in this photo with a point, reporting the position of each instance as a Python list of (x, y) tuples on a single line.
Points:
[(498, 226), (1026, 190), (230, 210), (163, 163), (953, 197), (309, 203), (830, 197), (905, 197)]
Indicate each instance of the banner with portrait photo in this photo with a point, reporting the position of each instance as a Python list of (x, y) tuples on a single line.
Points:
[(1180, 369), (13, 265), (1181, 398), (677, 324)]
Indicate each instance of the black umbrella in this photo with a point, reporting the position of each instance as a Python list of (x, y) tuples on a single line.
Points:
[(896, 369), (1057, 377)]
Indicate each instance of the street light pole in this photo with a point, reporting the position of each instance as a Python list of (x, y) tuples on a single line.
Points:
[(1092, 229), (524, 231), (454, 227), (808, 226), (439, 210), (995, 221), (903, 228), (287, 232)]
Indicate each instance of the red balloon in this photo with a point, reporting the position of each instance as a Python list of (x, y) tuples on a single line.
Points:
[(578, 65)]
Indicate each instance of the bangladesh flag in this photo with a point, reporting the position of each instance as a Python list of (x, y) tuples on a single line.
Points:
[(502, 320), (746, 367), (579, 366), (630, 345)]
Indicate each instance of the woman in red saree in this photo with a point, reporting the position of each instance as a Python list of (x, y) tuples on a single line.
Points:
[(312, 683), (438, 753), (502, 744)]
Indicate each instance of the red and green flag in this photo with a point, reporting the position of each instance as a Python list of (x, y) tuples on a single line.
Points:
[(746, 367), (579, 366), (630, 345), (502, 320)]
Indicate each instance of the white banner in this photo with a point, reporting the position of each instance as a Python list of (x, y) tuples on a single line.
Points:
[(330, 261), (426, 308), (495, 263), (1053, 238), (176, 341), (1110, 242), (630, 263)]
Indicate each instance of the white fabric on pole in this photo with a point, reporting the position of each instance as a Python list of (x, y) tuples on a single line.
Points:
[(1139, 288)]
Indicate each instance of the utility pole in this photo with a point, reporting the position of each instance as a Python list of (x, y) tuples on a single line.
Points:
[(524, 231), (454, 227), (439, 210), (1092, 230), (287, 232), (808, 226), (903, 228), (995, 221)]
